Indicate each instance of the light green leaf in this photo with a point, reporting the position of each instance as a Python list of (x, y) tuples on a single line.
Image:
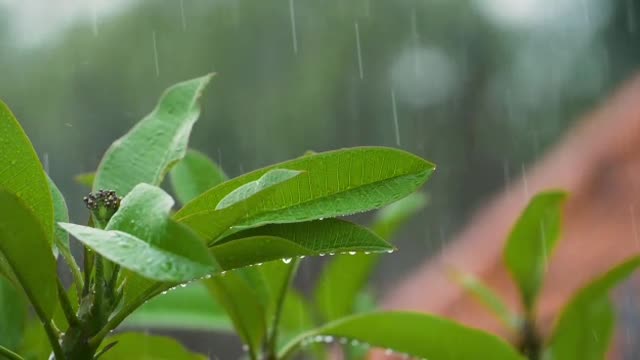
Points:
[(13, 312), (152, 245), (488, 298), (85, 179), (334, 280), (21, 173), (149, 150), (23, 243), (190, 308), (531, 242), (271, 178), (418, 335), (286, 241), (193, 175), (332, 184), (240, 301), (147, 347), (585, 326)]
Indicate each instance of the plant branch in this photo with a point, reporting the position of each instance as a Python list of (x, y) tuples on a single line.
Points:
[(282, 295), (9, 354), (72, 319)]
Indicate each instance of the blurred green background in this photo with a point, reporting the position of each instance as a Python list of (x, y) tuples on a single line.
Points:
[(481, 87)]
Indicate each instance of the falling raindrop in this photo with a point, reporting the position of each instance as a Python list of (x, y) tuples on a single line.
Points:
[(182, 17), (395, 116), (359, 51), (155, 53), (294, 37)]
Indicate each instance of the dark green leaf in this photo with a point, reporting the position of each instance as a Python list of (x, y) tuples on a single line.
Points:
[(418, 335), (191, 308), (193, 175), (286, 241), (149, 150), (585, 326), (21, 173), (23, 243), (35, 345), (531, 242), (334, 280), (142, 238), (332, 184), (147, 347), (13, 312)]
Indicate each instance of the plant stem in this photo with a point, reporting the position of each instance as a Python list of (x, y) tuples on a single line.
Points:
[(53, 339), (9, 354), (282, 295), (72, 319)]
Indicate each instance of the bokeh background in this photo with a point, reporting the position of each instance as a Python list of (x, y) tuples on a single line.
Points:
[(480, 87)]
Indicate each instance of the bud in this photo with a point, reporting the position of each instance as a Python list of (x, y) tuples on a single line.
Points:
[(103, 204)]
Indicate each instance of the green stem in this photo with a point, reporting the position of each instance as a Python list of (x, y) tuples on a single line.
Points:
[(72, 319), (9, 354), (99, 282), (52, 335), (282, 295), (88, 268)]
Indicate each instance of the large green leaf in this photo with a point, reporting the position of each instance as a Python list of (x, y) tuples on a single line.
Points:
[(193, 175), (333, 184), (191, 308), (336, 290), (418, 335), (13, 312), (146, 347), (241, 302), (149, 150), (142, 238), (531, 242), (286, 241), (21, 173), (26, 252), (585, 326)]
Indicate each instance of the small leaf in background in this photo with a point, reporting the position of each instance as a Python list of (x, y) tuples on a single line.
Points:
[(531, 242), (242, 305), (585, 326), (286, 241), (414, 334), (332, 184), (13, 315), (189, 308), (193, 175), (336, 291), (23, 244), (488, 298), (149, 150), (271, 178), (148, 347), (152, 245), (21, 173), (85, 179)]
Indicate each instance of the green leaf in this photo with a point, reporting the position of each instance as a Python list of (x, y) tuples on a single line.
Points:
[(332, 184), (241, 302), (193, 175), (35, 344), (85, 179), (418, 335), (531, 242), (21, 173), (334, 280), (23, 243), (147, 347), (149, 150), (13, 312), (189, 308), (489, 298), (152, 245), (585, 326), (286, 241), (244, 192)]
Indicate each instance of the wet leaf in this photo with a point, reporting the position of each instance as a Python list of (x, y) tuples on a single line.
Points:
[(418, 335), (332, 184), (531, 242), (585, 326), (143, 346), (149, 150), (152, 245), (193, 175)]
